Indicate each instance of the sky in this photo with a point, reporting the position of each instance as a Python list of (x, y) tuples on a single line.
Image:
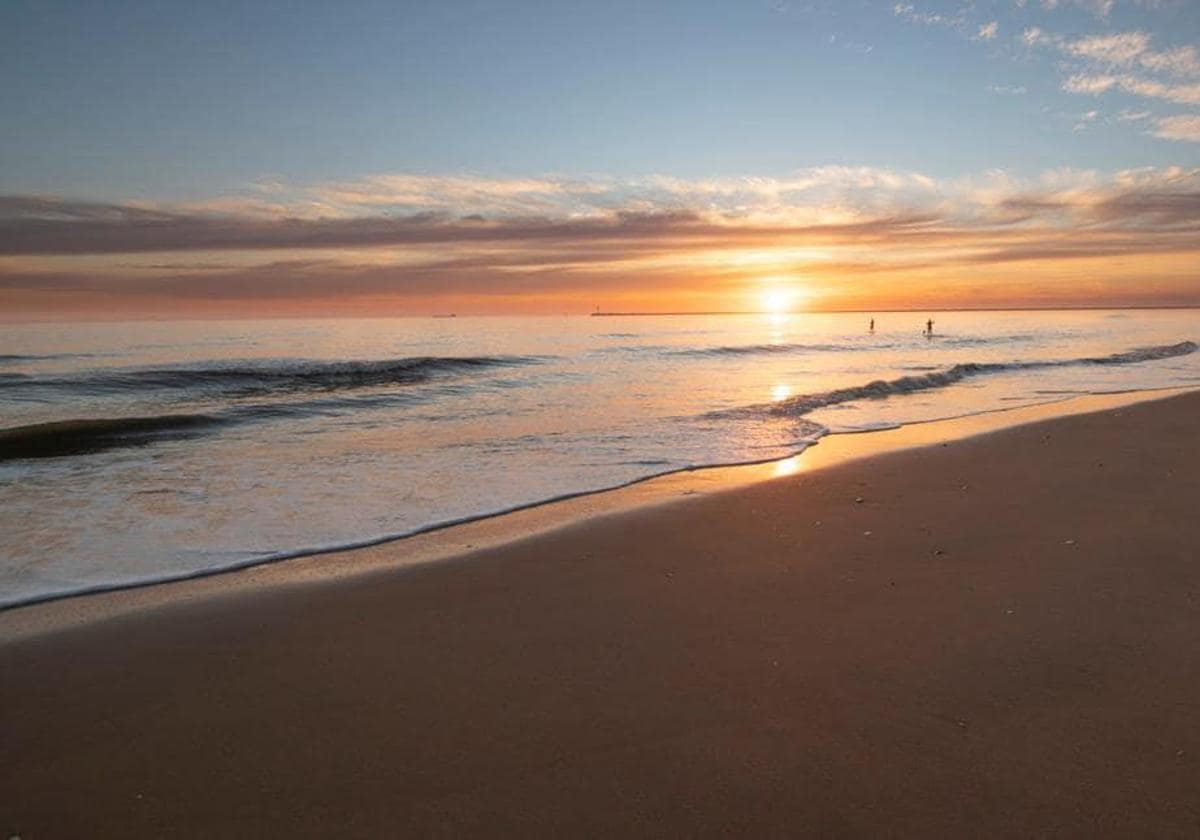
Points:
[(164, 159)]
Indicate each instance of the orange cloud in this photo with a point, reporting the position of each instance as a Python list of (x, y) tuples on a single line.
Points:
[(850, 237)]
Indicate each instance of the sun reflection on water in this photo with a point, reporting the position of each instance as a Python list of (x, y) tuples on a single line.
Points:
[(788, 466)]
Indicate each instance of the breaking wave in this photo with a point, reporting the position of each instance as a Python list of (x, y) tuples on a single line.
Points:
[(78, 437), (880, 388), (270, 376), (20, 358)]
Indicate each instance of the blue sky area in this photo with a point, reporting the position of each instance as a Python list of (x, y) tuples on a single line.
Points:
[(162, 100)]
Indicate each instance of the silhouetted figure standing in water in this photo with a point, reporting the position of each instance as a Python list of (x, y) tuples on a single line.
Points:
[(872, 327), (929, 328)]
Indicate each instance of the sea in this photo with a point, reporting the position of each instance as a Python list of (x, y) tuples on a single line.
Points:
[(149, 451)]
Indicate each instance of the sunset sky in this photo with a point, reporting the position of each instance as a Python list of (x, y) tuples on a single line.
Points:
[(165, 159)]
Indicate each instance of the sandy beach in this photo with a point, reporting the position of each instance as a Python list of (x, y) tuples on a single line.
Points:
[(993, 636)]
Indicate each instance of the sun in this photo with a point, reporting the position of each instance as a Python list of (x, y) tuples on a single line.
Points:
[(778, 300)]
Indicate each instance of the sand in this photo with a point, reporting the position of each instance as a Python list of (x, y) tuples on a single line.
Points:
[(998, 636)]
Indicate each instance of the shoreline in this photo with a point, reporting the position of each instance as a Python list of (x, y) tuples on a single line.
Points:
[(449, 541)]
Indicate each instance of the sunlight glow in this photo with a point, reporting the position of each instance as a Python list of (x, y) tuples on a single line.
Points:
[(777, 300), (780, 295)]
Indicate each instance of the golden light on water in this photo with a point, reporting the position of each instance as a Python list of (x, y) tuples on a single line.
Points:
[(788, 466)]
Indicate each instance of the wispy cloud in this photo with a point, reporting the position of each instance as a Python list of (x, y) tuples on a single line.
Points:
[(1101, 83), (400, 209), (1181, 61), (1034, 36), (1123, 61), (1121, 48), (1128, 62), (957, 21), (1184, 127), (1099, 8)]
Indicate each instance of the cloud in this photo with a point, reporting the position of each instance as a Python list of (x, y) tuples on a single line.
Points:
[(987, 32), (1126, 62), (1083, 83), (836, 187), (1121, 48), (1100, 8), (957, 21), (1034, 36), (1181, 61), (1185, 127), (638, 236), (1184, 94), (829, 200), (1132, 49)]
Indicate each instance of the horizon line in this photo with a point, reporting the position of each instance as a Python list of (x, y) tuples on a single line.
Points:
[(632, 314), (901, 310)]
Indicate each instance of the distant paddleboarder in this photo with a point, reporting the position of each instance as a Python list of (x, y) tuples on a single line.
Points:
[(929, 328)]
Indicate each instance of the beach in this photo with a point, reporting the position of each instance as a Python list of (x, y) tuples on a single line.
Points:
[(994, 635)]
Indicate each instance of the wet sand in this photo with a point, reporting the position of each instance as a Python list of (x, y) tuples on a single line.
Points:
[(996, 636)]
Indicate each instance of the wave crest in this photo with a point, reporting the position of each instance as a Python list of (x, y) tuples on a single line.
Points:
[(77, 437), (251, 377), (881, 388)]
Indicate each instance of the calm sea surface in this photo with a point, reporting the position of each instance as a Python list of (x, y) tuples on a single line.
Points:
[(143, 451)]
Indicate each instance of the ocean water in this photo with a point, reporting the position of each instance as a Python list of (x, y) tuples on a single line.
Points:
[(147, 451)]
